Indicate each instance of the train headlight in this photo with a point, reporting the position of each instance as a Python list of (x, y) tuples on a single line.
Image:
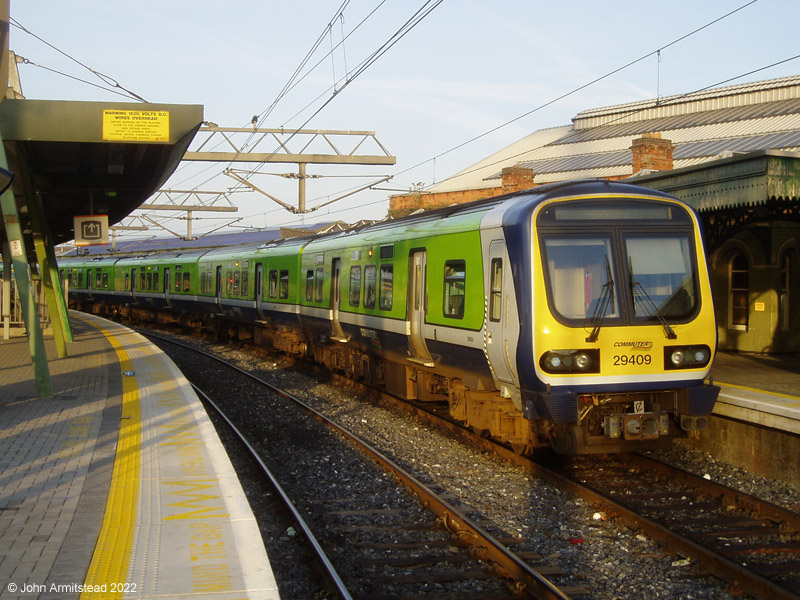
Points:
[(570, 361), (686, 357)]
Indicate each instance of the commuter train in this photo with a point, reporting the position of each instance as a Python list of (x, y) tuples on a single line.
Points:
[(576, 315)]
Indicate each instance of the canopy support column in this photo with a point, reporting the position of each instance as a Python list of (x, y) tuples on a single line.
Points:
[(23, 279)]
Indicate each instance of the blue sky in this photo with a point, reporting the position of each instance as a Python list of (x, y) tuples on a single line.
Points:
[(467, 68)]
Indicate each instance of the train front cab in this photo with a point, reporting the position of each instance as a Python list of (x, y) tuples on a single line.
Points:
[(622, 350)]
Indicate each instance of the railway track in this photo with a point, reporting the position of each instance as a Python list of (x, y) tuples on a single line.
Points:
[(750, 544), (383, 542)]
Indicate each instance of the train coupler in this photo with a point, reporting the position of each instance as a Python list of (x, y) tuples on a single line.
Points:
[(636, 426)]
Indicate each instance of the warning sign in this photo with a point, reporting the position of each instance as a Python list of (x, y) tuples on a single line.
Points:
[(136, 125)]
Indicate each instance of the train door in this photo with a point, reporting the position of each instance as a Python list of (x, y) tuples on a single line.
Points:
[(417, 307), (89, 283), (167, 288), (219, 288), (133, 284), (259, 289), (336, 297), (500, 289)]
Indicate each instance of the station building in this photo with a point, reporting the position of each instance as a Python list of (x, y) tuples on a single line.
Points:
[(733, 153)]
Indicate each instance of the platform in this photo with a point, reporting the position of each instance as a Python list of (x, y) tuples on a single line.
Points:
[(759, 389), (119, 483)]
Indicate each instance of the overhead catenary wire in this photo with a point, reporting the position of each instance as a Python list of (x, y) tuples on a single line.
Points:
[(564, 96), (561, 97), (573, 91), (107, 79), (656, 102), (426, 9), (294, 80)]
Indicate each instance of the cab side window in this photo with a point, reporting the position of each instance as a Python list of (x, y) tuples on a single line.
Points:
[(496, 290)]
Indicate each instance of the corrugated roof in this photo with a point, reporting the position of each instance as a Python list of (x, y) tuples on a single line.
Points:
[(785, 140), (761, 115), (671, 123), (757, 92)]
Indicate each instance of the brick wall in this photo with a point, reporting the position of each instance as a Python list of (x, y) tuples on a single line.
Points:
[(514, 180)]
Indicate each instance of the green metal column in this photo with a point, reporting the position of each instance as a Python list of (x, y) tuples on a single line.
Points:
[(6, 291), (47, 272), (55, 278), (22, 276)]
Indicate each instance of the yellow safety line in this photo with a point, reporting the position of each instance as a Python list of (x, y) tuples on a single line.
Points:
[(749, 389), (112, 553)]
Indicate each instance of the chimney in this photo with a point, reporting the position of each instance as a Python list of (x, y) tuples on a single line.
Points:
[(652, 153), (516, 179)]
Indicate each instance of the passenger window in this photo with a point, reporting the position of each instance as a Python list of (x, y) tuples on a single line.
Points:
[(496, 290), (178, 271), (97, 279), (187, 282), (369, 286), (355, 286), (273, 284), (236, 277), (155, 281), (245, 283), (149, 281), (284, 285), (309, 285), (318, 279), (142, 280), (387, 283), (454, 280)]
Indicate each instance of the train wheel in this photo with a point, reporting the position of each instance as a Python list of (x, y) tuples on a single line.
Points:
[(563, 441)]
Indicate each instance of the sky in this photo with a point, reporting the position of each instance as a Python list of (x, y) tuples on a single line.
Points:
[(496, 71)]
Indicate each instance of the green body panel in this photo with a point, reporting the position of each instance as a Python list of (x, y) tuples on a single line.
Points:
[(238, 273), (453, 238), (77, 273), (282, 259), (152, 265)]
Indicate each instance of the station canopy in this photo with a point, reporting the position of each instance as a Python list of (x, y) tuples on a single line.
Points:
[(91, 158)]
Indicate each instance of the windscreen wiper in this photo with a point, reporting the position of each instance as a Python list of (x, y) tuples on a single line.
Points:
[(605, 301), (637, 289)]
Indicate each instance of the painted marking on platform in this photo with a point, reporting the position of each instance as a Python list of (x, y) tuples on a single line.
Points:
[(757, 391), (112, 554)]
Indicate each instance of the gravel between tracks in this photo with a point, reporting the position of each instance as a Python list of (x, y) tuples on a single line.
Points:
[(613, 562)]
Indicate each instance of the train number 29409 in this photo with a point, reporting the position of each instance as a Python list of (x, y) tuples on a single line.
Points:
[(623, 360)]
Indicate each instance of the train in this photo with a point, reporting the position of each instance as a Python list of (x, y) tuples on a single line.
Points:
[(576, 316)]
